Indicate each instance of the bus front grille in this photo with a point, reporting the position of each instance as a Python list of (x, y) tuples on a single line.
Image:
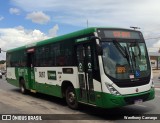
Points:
[(131, 100)]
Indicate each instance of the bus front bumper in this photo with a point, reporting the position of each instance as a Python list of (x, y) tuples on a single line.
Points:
[(112, 101)]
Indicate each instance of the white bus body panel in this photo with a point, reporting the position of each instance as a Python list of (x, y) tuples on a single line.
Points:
[(60, 76), (11, 73)]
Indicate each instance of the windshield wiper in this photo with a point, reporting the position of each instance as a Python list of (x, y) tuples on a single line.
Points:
[(133, 57), (124, 52), (128, 57), (120, 48)]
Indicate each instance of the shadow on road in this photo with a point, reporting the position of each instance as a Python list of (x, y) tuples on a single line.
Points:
[(89, 112)]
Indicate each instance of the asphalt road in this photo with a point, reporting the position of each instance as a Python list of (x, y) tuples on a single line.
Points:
[(13, 102)]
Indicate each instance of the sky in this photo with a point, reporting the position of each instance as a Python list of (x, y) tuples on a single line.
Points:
[(27, 21)]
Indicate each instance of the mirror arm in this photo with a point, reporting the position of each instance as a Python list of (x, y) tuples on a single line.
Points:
[(98, 46)]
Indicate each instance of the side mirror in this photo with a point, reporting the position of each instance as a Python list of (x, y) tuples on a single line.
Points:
[(99, 50)]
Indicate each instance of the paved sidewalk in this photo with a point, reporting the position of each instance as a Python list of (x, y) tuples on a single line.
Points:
[(156, 78)]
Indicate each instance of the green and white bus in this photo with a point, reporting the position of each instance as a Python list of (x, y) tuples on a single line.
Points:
[(103, 67)]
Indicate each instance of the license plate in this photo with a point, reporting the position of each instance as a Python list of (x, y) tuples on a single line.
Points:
[(139, 101)]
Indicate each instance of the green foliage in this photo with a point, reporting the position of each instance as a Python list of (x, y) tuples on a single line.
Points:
[(2, 61)]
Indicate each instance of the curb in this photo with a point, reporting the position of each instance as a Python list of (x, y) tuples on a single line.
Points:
[(156, 71)]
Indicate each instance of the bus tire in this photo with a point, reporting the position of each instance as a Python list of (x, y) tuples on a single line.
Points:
[(22, 86), (71, 98)]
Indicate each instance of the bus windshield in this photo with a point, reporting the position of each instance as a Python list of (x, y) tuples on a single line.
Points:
[(125, 60)]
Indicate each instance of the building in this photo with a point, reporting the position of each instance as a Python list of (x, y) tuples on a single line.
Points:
[(155, 60)]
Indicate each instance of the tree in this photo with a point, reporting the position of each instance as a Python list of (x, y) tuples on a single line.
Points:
[(2, 61)]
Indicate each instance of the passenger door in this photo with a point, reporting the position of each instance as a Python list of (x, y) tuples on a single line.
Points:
[(85, 72), (30, 65)]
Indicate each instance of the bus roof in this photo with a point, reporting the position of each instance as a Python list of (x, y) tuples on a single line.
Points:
[(56, 39), (60, 38)]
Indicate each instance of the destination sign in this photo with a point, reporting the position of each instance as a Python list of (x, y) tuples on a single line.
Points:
[(121, 34)]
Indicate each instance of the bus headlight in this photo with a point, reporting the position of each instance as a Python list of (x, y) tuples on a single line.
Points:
[(112, 89)]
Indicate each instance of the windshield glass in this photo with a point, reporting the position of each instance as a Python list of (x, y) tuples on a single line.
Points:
[(125, 60)]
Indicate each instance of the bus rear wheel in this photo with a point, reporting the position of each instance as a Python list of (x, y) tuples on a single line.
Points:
[(71, 98), (22, 86)]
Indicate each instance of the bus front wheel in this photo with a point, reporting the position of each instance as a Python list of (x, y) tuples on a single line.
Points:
[(22, 86), (71, 98)]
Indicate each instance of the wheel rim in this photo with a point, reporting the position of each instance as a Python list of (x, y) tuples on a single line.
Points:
[(71, 98), (22, 88)]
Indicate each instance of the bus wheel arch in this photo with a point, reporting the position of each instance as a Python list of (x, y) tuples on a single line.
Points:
[(22, 85), (68, 92)]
